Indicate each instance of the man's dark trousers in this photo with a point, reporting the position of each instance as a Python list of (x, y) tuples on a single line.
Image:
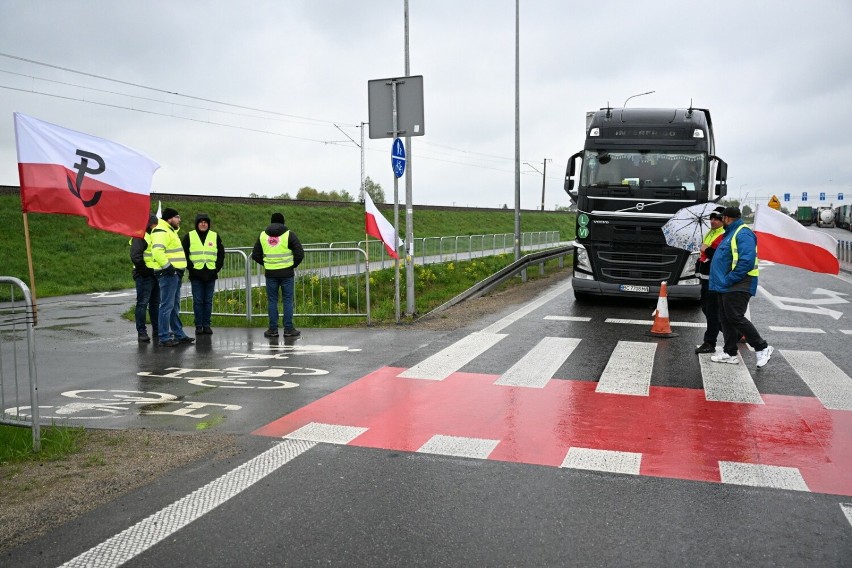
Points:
[(732, 309)]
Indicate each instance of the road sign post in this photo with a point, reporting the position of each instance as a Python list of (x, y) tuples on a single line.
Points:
[(396, 107)]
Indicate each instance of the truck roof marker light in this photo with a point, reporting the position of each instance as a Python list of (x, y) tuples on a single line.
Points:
[(698, 133), (595, 132)]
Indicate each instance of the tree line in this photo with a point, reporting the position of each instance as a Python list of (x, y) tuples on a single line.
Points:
[(373, 189)]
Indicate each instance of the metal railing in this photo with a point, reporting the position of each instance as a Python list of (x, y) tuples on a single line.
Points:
[(844, 254), (17, 318), (330, 282)]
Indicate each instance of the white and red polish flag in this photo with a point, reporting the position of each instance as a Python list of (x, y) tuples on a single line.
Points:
[(379, 227), (783, 240), (64, 171)]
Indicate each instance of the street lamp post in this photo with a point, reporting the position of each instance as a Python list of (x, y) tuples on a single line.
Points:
[(634, 96)]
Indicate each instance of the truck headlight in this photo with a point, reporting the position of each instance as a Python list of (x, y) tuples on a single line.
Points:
[(689, 267), (582, 258)]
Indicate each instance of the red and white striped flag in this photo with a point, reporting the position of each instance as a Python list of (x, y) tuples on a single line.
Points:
[(783, 240), (378, 226), (64, 171)]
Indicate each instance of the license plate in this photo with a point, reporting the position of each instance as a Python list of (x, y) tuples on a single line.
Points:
[(631, 288)]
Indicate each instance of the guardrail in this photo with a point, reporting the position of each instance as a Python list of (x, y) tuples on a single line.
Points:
[(17, 318), (844, 254)]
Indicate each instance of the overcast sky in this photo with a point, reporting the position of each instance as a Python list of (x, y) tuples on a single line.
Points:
[(776, 75)]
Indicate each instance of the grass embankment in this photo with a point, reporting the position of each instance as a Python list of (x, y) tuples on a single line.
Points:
[(69, 257), (16, 443)]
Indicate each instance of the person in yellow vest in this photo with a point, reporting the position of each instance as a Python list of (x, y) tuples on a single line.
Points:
[(279, 251), (147, 288), (205, 255), (733, 274), (709, 299), (170, 263)]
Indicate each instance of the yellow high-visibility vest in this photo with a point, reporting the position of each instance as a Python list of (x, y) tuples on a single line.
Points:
[(204, 254), (735, 255), (166, 247), (276, 256)]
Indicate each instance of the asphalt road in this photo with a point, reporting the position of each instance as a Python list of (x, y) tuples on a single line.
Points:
[(546, 435)]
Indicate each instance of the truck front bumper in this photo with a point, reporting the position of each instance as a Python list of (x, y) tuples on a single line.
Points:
[(595, 288)]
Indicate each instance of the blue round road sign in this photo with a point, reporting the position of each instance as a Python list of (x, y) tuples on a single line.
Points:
[(398, 157)]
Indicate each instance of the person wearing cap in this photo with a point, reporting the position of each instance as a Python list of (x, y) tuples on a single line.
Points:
[(147, 288), (206, 256), (733, 275), (709, 300), (170, 262), (279, 251)]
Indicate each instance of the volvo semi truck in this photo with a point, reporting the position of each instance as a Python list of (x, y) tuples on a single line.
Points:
[(637, 169)]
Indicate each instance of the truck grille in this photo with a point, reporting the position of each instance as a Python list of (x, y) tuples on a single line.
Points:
[(647, 268)]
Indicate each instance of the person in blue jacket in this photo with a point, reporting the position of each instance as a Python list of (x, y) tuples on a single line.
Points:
[(733, 276)]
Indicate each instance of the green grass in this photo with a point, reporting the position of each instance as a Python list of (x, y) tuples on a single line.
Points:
[(69, 257), (16, 443)]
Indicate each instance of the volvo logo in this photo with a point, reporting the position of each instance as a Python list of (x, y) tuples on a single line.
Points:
[(640, 206)]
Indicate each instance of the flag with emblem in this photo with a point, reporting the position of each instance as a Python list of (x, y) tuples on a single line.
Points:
[(69, 172)]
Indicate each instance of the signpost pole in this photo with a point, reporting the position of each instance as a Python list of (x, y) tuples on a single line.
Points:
[(395, 208), (409, 206)]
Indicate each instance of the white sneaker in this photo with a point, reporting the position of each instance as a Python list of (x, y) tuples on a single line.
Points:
[(764, 355), (722, 357)]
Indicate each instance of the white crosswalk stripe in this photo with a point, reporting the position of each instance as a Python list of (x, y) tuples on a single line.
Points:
[(724, 382), (826, 380), (538, 366), (450, 359), (629, 369)]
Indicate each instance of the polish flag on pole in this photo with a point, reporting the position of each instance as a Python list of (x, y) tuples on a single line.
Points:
[(378, 226), (783, 240), (64, 171)]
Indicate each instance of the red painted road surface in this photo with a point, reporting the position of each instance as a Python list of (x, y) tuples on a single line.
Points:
[(678, 432)]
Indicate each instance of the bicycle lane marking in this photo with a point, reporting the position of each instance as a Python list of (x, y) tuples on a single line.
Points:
[(148, 532)]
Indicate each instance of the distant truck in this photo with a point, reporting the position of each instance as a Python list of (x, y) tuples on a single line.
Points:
[(805, 215), (825, 217), (843, 217), (637, 168)]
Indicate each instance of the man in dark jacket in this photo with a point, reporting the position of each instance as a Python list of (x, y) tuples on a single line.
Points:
[(205, 256), (279, 251), (733, 275), (147, 288)]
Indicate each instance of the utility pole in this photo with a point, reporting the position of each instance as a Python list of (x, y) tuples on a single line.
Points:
[(517, 132), (363, 171), (409, 207)]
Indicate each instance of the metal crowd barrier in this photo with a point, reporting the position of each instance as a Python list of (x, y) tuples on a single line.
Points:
[(333, 279), (844, 253), (18, 375)]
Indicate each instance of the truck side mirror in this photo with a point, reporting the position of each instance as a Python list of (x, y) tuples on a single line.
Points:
[(571, 172)]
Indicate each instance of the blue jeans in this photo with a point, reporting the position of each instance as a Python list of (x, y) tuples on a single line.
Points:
[(170, 323), (147, 300), (286, 285), (202, 301)]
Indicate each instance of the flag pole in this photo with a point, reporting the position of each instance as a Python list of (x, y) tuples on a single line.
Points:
[(30, 265)]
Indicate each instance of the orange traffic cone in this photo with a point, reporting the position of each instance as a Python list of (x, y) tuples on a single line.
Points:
[(661, 326)]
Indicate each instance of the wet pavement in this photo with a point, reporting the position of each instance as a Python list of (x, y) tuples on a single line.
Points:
[(551, 433)]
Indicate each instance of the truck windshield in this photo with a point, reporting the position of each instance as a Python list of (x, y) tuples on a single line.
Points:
[(645, 171)]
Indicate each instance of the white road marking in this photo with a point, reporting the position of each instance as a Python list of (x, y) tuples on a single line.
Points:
[(758, 475), (328, 433), (603, 460), (161, 525), (847, 510), (447, 361), (649, 323), (783, 304), (459, 446), (724, 382), (567, 318), (846, 331), (539, 365), (629, 368), (826, 380), (796, 329), (534, 305)]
